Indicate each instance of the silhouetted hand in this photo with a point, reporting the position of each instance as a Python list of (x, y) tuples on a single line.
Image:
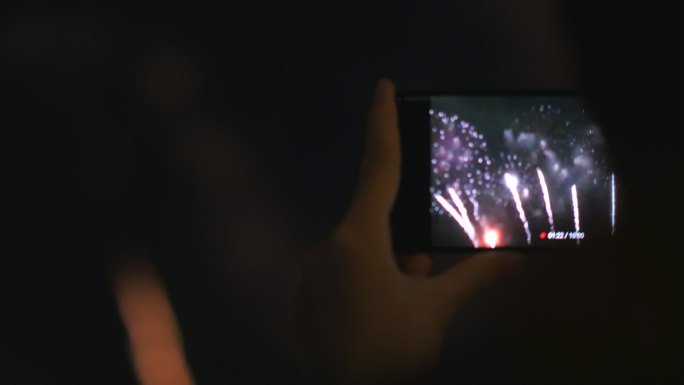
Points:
[(359, 319)]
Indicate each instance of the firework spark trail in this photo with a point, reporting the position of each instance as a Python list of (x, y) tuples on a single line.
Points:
[(547, 199), (462, 209), (612, 200), (451, 210), (575, 207), (476, 208), (512, 184)]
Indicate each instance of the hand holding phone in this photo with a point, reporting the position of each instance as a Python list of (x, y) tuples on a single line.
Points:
[(359, 319)]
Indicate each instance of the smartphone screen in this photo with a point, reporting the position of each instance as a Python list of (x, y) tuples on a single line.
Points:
[(523, 170)]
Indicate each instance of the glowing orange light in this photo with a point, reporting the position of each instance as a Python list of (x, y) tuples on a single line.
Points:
[(491, 238)]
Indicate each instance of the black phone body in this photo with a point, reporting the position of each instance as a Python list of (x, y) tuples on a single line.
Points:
[(482, 170)]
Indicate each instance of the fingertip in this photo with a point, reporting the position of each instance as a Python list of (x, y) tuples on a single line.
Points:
[(510, 259), (418, 265), (498, 263), (384, 87), (477, 273)]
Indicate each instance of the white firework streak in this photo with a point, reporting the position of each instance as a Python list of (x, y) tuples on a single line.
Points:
[(452, 211), (575, 207), (476, 208), (461, 208), (547, 199), (612, 199), (512, 184)]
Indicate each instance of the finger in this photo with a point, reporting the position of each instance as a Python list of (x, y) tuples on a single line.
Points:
[(418, 265), (463, 281), (154, 335), (379, 177)]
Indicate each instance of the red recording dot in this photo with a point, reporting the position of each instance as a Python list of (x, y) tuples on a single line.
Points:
[(542, 235)]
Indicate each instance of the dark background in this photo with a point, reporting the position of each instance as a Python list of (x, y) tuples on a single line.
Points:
[(295, 81)]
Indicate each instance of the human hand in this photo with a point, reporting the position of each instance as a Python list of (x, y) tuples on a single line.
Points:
[(359, 318)]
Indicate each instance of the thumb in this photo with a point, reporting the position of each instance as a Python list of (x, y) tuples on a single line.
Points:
[(463, 281), (379, 177)]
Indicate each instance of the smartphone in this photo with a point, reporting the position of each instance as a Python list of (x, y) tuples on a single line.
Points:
[(484, 170)]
